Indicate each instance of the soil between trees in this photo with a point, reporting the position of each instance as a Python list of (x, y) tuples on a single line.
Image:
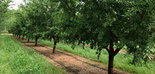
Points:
[(71, 63)]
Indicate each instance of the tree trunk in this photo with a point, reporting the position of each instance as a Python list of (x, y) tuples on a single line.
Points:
[(111, 57), (55, 43), (98, 56), (79, 42), (36, 41), (83, 45), (135, 58), (22, 38), (28, 40), (18, 37), (91, 46), (110, 64)]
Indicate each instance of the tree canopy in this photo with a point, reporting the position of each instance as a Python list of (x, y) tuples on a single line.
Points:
[(104, 24), (3, 9)]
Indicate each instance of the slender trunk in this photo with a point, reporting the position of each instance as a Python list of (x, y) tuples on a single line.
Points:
[(91, 46), (55, 43), (23, 38), (79, 42), (18, 37), (83, 45), (28, 40), (98, 56), (135, 59), (110, 64), (51, 40), (111, 58), (36, 41)]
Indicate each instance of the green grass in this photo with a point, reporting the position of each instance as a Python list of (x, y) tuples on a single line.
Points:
[(121, 61), (17, 59)]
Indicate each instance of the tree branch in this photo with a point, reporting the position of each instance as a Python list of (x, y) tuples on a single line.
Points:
[(107, 49), (117, 50)]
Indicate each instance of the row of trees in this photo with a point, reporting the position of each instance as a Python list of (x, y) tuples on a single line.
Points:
[(104, 24), (3, 9)]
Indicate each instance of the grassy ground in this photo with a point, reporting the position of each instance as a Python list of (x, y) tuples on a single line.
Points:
[(17, 59), (121, 61)]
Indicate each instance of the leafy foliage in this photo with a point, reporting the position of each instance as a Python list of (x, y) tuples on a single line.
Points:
[(3, 10), (104, 24)]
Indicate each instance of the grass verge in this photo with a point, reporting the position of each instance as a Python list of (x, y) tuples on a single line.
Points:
[(17, 59)]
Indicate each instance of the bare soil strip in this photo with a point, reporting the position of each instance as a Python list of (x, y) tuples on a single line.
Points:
[(71, 63)]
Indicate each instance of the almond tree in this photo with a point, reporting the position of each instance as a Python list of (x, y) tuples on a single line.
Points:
[(36, 12), (4, 4), (109, 24)]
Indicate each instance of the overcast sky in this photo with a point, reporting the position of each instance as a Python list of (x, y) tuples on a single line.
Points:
[(14, 4)]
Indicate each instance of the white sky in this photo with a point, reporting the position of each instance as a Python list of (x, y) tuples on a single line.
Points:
[(14, 4)]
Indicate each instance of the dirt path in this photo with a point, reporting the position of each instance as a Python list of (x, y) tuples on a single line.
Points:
[(71, 63)]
